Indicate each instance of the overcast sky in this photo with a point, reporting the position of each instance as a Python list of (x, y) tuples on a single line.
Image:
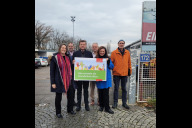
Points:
[(98, 21)]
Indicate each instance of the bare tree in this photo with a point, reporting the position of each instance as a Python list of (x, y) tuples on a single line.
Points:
[(42, 35), (48, 38), (66, 38), (76, 43), (50, 45), (57, 39)]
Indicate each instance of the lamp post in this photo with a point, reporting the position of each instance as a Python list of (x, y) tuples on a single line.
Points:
[(73, 19)]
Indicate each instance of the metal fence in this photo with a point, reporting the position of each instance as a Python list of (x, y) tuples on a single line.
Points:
[(146, 85)]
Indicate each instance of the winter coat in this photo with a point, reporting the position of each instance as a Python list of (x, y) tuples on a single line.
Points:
[(72, 65), (87, 54), (121, 63), (78, 53), (108, 82), (55, 75)]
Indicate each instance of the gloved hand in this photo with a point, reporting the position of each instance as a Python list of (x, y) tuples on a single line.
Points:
[(129, 72), (108, 62)]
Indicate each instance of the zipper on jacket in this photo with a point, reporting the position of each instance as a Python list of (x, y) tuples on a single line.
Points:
[(123, 62)]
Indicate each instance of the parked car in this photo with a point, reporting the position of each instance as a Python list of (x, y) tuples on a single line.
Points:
[(43, 62), (37, 63)]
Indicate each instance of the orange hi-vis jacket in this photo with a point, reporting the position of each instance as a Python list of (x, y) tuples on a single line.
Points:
[(121, 63)]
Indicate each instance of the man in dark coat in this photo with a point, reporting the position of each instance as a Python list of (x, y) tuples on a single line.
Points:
[(70, 53), (82, 52)]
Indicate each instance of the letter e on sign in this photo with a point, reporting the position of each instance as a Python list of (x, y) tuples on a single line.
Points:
[(148, 36)]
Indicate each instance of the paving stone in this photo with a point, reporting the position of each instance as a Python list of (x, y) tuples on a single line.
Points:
[(135, 117)]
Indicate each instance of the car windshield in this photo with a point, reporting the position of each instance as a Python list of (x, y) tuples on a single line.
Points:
[(37, 59), (44, 60)]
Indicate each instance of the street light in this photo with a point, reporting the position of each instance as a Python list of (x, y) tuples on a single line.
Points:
[(73, 19)]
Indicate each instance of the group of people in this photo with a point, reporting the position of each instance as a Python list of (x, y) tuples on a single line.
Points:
[(62, 76)]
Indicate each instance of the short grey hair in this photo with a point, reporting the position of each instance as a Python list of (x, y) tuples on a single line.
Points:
[(95, 43)]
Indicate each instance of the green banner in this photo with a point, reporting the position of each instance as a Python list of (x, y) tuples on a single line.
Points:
[(90, 69)]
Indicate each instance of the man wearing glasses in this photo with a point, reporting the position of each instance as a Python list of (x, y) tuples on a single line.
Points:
[(122, 68)]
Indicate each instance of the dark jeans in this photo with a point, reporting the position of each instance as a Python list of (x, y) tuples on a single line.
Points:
[(70, 98), (74, 96), (58, 99), (104, 98), (85, 85), (116, 80)]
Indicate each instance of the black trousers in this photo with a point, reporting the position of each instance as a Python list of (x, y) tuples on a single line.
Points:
[(116, 80), (70, 98), (58, 99), (85, 85), (104, 98)]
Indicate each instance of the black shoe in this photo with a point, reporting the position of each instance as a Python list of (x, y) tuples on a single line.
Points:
[(101, 109), (74, 104), (87, 108), (114, 105), (78, 108), (71, 112), (125, 106), (109, 111), (59, 116)]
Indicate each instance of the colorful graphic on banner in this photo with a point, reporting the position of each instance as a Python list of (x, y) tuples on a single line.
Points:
[(149, 26), (90, 69)]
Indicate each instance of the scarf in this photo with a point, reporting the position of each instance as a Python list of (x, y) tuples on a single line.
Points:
[(104, 56), (65, 68), (122, 52)]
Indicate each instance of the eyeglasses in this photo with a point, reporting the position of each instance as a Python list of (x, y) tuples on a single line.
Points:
[(121, 43)]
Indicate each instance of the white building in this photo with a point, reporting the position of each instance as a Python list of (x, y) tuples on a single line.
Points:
[(44, 53)]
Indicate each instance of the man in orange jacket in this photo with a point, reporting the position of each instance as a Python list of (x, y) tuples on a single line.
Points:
[(122, 68)]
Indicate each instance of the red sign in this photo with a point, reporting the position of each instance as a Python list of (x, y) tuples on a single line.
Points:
[(99, 80), (149, 26), (99, 59), (149, 32)]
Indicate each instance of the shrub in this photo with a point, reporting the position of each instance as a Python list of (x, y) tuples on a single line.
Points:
[(151, 102)]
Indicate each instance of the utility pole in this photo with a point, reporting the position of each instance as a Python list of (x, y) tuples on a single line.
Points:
[(73, 19)]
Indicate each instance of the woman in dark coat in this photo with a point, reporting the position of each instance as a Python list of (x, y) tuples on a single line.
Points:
[(61, 76)]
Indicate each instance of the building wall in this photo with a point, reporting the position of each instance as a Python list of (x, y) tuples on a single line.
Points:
[(42, 54), (50, 53)]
